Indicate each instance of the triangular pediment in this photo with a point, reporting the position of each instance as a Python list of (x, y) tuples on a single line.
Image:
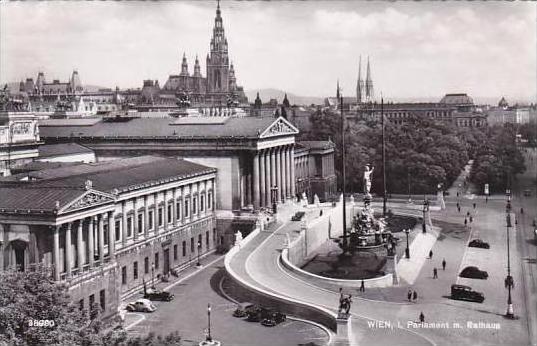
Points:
[(90, 198), (279, 127)]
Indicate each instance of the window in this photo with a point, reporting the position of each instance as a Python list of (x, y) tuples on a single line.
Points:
[(124, 275), (146, 265), (118, 229), (184, 248), (160, 217), (210, 200), (186, 208), (200, 239), (135, 270), (81, 304), (140, 223), (194, 205), (214, 235), (202, 203), (93, 311), (178, 210), (129, 226), (192, 244), (151, 219), (175, 252), (207, 240), (156, 260), (102, 298), (170, 213)]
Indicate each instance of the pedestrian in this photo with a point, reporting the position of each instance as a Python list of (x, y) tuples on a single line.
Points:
[(321, 213), (444, 264), (471, 219), (415, 296), (474, 205), (435, 273), (521, 210), (409, 295), (457, 193), (486, 199), (465, 221), (431, 254), (468, 213), (362, 286), (422, 317)]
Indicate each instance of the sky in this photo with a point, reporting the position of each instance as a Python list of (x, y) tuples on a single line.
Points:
[(416, 49)]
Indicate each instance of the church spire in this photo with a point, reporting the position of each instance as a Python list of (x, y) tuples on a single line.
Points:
[(369, 92), (184, 66), (360, 83)]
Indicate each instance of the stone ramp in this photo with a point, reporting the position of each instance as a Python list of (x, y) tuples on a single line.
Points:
[(409, 269)]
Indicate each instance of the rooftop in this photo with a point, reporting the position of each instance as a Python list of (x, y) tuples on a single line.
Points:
[(64, 184), (51, 150), (243, 127)]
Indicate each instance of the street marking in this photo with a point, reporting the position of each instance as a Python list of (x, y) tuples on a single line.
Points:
[(186, 277), (142, 318)]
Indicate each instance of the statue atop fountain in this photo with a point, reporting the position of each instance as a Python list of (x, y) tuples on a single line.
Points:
[(367, 182)]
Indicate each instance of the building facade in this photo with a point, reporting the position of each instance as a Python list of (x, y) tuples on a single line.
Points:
[(106, 228), (315, 172), (19, 140)]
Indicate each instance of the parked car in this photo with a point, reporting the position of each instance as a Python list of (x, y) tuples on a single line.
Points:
[(164, 296), (462, 292), (242, 310), (473, 273), (268, 322), (141, 305), (298, 216), (479, 243)]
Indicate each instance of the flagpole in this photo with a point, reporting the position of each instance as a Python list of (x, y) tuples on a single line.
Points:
[(384, 197)]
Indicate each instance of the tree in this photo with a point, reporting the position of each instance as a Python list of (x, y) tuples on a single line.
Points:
[(36, 310)]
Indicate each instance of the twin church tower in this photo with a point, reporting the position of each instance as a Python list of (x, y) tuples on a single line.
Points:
[(364, 92)]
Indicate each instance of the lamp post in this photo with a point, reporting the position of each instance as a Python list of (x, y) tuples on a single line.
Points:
[(408, 179), (153, 275), (343, 172), (209, 338), (199, 250), (425, 209), (509, 282), (384, 196), (407, 250)]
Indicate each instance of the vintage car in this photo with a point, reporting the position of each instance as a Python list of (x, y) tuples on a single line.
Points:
[(462, 292), (473, 273), (153, 294), (479, 243), (242, 310), (141, 305)]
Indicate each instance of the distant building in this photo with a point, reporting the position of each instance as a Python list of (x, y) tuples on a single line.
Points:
[(19, 140), (505, 113)]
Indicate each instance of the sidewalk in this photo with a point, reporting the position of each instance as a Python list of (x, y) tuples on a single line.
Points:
[(409, 269)]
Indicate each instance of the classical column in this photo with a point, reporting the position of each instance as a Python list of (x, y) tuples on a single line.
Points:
[(56, 253), (165, 210), (249, 198), (273, 180), (292, 165), (174, 207), (135, 219), (146, 218), (91, 242), (80, 246), (255, 180), (278, 174), (123, 223), (261, 180), (281, 181), (267, 177), (183, 200), (287, 173), (68, 250), (101, 239), (111, 237), (284, 175), (155, 214)]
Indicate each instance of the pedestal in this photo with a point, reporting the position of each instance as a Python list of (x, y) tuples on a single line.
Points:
[(343, 325), (210, 343)]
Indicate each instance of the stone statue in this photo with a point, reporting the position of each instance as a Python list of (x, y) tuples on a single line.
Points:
[(367, 179), (344, 304)]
